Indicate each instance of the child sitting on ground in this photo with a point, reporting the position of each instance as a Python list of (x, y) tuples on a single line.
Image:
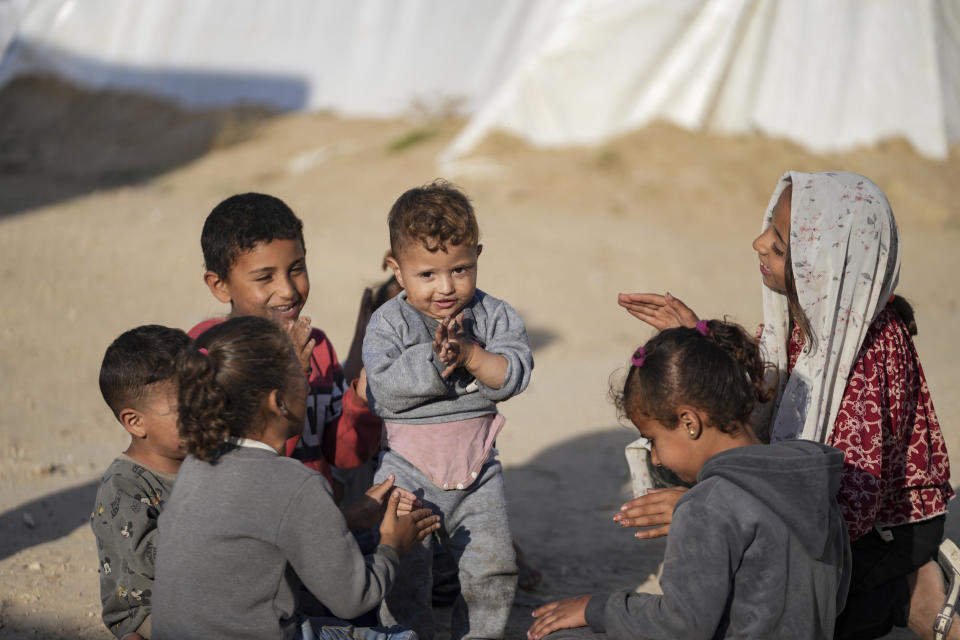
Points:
[(849, 376), (256, 261), (246, 526), (138, 383), (439, 357), (758, 548)]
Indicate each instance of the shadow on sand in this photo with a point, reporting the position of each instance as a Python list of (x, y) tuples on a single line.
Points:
[(58, 142), (49, 518), (564, 498)]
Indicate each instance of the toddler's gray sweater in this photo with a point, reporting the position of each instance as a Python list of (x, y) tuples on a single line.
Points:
[(403, 372)]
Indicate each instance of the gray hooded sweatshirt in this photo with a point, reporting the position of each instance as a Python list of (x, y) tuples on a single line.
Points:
[(757, 548)]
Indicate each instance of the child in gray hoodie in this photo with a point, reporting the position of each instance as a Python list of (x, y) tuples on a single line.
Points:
[(758, 548), (438, 359)]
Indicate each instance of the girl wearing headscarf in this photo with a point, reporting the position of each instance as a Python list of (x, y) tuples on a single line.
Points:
[(847, 374)]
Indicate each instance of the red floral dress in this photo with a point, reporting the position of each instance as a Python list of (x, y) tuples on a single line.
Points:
[(896, 468)]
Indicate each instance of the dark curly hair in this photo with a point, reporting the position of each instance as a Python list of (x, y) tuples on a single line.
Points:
[(720, 373), (435, 214), (137, 359), (242, 221), (222, 390)]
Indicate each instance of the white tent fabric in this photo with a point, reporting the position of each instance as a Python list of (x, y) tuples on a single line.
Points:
[(827, 74), (373, 58)]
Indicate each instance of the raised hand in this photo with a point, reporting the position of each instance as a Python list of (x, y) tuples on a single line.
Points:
[(299, 331), (403, 532), (451, 344), (655, 509), (565, 614), (659, 311)]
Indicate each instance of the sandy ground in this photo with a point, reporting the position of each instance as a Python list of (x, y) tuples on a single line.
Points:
[(102, 198)]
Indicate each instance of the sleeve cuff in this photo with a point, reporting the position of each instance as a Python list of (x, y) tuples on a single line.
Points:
[(389, 552), (593, 614)]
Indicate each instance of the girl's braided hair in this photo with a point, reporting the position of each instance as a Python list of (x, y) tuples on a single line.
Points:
[(717, 369), (225, 378)]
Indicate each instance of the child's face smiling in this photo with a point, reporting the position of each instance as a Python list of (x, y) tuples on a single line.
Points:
[(440, 283), (771, 245), (676, 449), (269, 281)]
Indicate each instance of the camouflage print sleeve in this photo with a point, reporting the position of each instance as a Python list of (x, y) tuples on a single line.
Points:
[(124, 522)]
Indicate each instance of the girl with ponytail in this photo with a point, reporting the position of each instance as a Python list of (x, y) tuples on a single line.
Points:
[(848, 375), (758, 547), (246, 527)]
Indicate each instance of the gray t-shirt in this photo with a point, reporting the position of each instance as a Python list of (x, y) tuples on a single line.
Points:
[(239, 537), (124, 523)]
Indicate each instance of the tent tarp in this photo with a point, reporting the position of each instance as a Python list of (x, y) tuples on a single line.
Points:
[(827, 74)]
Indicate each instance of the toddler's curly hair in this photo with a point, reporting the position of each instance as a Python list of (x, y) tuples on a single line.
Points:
[(435, 215)]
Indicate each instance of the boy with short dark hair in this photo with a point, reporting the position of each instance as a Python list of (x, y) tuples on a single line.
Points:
[(138, 382), (439, 358), (256, 261)]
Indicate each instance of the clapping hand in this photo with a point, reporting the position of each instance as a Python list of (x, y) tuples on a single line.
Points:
[(451, 344), (659, 311), (299, 331)]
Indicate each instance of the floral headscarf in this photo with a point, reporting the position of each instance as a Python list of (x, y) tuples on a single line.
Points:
[(845, 256)]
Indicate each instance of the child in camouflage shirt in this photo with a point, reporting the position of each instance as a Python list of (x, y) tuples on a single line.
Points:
[(138, 382)]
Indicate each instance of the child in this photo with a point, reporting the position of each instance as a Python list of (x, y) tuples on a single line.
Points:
[(255, 258), (850, 377), (138, 383), (438, 358), (758, 547), (246, 526)]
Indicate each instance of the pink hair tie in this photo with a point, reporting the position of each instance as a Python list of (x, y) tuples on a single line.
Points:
[(638, 357), (203, 351), (702, 327)]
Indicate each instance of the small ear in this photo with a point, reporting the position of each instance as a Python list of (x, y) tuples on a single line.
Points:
[(276, 404), (479, 249), (391, 262), (132, 421), (690, 421), (218, 286)]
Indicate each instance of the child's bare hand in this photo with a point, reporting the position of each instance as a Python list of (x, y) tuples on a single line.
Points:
[(368, 510), (361, 387), (403, 532), (565, 614), (655, 509), (299, 331), (408, 502), (354, 359), (660, 312), (451, 344)]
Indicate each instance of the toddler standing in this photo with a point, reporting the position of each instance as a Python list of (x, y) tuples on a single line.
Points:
[(439, 357)]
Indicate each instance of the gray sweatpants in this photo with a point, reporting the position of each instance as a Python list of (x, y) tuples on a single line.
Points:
[(475, 530)]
